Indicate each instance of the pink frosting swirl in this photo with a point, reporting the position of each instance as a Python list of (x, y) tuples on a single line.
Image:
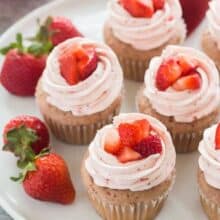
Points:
[(214, 20), (144, 174), (184, 106), (209, 161), (144, 33), (92, 95)]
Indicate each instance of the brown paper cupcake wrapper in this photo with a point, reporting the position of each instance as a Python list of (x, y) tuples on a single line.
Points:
[(78, 134), (186, 142), (211, 209), (134, 69), (145, 210)]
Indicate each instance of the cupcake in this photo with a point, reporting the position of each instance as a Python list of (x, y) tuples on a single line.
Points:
[(139, 30), (80, 90), (211, 36), (182, 90), (129, 168), (209, 172)]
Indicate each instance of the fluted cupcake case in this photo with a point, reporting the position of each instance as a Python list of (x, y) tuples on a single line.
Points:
[(124, 204), (209, 197)]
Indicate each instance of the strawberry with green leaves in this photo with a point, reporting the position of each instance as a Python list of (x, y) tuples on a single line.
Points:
[(44, 175), (23, 66)]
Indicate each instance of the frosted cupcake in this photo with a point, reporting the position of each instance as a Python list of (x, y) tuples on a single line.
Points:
[(80, 90), (209, 172), (211, 37), (129, 168), (139, 30), (182, 90)]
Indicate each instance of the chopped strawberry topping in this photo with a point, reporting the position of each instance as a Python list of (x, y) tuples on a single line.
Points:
[(112, 142), (143, 127), (167, 74), (77, 64), (187, 65), (128, 155), (139, 8), (148, 146), (189, 82), (158, 4), (217, 138)]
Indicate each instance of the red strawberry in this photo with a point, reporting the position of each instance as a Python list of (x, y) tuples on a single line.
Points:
[(49, 180), (148, 146), (68, 67), (129, 134), (112, 142), (21, 71), (86, 62), (217, 138), (192, 82), (62, 29), (167, 74), (158, 4), (77, 64), (193, 12), (139, 8), (34, 133), (187, 66), (144, 128), (128, 155)]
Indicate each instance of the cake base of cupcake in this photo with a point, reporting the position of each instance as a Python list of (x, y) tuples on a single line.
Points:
[(210, 47), (113, 204), (210, 198), (186, 136), (75, 129), (134, 62)]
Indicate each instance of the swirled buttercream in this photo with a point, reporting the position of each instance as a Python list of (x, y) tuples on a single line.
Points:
[(209, 161), (214, 20), (144, 174), (90, 96), (188, 105), (147, 33)]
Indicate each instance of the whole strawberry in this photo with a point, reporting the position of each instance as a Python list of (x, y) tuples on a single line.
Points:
[(26, 130), (50, 180), (23, 67), (56, 30)]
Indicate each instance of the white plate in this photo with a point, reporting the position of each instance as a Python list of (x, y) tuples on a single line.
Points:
[(183, 202)]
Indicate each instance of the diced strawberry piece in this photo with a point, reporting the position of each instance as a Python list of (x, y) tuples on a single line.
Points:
[(88, 63), (167, 74), (68, 67), (138, 8), (148, 146), (189, 82), (187, 65), (129, 134), (128, 155), (112, 142), (217, 138), (144, 128), (158, 4)]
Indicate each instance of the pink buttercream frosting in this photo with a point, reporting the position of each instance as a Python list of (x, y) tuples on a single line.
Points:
[(144, 174), (147, 33), (189, 105), (90, 96), (209, 161), (214, 20)]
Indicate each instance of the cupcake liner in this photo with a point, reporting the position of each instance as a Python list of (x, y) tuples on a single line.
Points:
[(78, 134), (211, 209), (134, 69), (141, 210), (186, 142)]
